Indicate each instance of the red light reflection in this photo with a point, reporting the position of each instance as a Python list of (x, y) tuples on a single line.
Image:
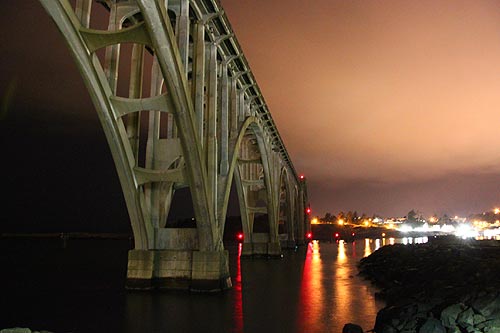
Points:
[(311, 290), (238, 301)]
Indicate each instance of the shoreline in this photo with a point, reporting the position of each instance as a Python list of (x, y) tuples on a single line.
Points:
[(445, 285)]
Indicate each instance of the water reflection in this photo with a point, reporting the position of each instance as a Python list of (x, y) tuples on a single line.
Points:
[(352, 295), (342, 288), (331, 292), (341, 257), (238, 297), (368, 249), (312, 289)]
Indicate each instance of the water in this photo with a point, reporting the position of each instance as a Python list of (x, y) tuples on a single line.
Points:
[(80, 289)]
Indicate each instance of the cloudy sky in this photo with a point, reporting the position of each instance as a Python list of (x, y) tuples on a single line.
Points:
[(385, 106)]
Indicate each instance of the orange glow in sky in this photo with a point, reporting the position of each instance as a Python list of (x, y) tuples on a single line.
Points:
[(385, 105)]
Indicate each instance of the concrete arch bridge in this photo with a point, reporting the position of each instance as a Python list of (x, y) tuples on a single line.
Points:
[(180, 108)]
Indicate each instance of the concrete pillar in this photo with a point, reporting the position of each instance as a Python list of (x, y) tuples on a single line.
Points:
[(198, 85), (224, 122), (182, 32), (82, 11)]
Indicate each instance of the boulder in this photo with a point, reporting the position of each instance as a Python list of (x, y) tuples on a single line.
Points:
[(352, 328), (450, 314), (466, 318), (488, 305), (432, 325)]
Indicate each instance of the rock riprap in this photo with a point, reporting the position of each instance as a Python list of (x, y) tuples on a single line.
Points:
[(449, 285)]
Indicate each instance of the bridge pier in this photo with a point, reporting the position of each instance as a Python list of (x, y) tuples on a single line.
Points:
[(206, 271), (178, 263), (259, 245)]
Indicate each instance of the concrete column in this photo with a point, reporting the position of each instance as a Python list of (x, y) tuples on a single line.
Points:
[(211, 143), (241, 106), (112, 55), (198, 85), (233, 113), (152, 190), (83, 9), (224, 122), (182, 32), (135, 91)]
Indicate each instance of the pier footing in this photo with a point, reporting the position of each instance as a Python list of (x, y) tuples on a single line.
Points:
[(203, 271)]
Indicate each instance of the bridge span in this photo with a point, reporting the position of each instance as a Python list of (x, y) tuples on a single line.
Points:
[(180, 108)]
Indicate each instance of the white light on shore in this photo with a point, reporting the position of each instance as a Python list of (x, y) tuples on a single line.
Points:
[(465, 231), (405, 228)]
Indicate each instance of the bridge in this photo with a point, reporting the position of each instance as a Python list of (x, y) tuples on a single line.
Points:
[(180, 108)]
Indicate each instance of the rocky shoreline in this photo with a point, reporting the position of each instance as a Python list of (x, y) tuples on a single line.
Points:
[(443, 286)]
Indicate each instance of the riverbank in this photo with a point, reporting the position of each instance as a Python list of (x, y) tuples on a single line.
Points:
[(327, 232), (445, 285)]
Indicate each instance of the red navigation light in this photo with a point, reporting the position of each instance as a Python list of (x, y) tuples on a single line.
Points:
[(308, 210), (353, 234), (301, 177), (239, 236), (309, 235), (337, 235)]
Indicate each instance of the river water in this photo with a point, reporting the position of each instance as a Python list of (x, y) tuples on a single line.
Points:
[(79, 288)]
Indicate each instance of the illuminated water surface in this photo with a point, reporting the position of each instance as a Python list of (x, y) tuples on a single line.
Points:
[(80, 289)]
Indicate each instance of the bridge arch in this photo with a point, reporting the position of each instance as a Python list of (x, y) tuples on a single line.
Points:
[(286, 211), (250, 170)]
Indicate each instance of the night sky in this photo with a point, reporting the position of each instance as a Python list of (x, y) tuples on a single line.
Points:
[(385, 106)]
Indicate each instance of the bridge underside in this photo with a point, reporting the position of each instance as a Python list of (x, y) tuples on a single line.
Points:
[(180, 108)]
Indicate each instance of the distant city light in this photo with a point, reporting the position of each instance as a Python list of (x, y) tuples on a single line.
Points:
[(497, 211), (340, 222), (315, 221), (465, 231)]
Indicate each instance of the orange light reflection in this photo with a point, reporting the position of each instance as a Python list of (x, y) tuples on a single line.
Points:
[(368, 249)]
